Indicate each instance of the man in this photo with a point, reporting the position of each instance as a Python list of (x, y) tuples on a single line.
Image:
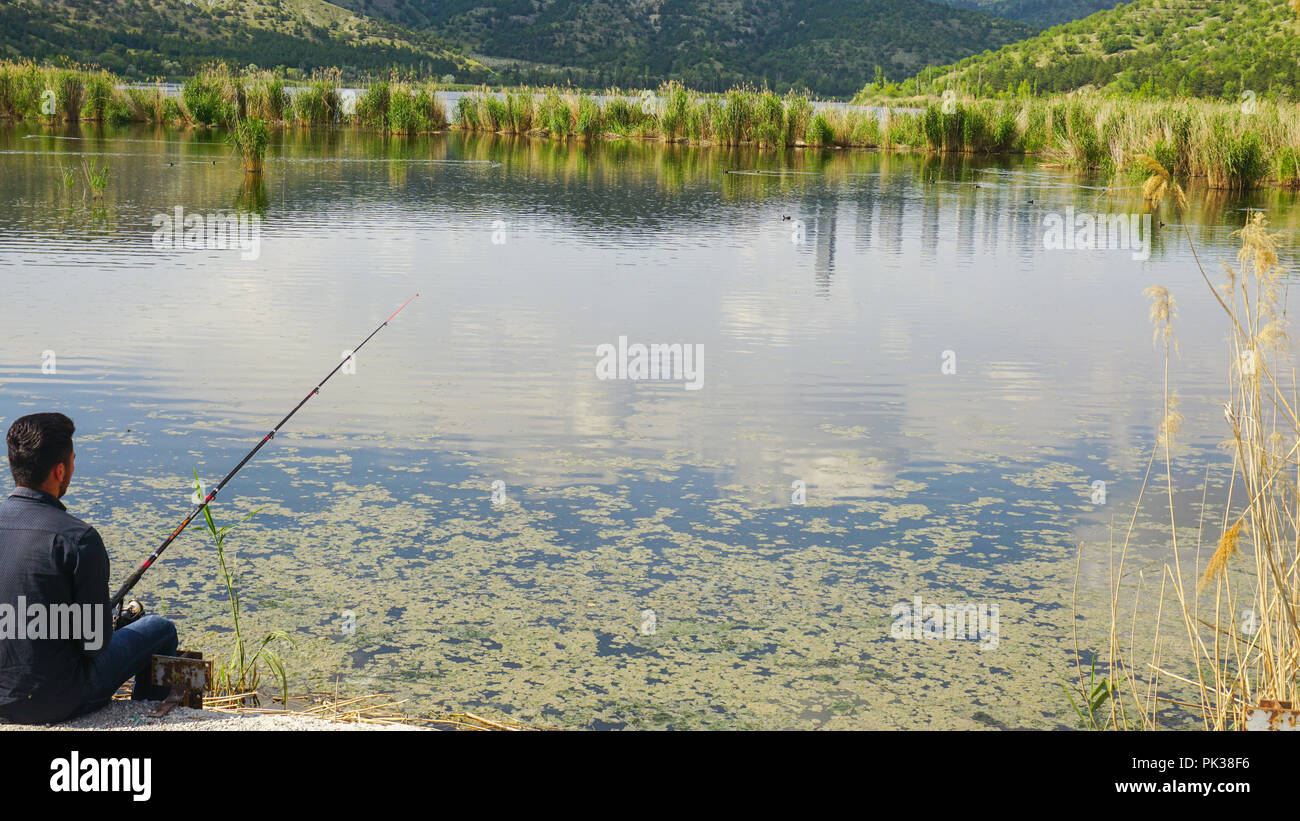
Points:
[(54, 581)]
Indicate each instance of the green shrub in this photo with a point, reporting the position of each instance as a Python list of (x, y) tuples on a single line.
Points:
[(975, 136), (1287, 166), (1111, 45), (249, 136), (146, 105), (798, 114), (905, 129), (519, 112), (555, 115), (493, 113), (1004, 134), (590, 118), (320, 103), (676, 111), (99, 91), (118, 111), (865, 129), (205, 100), (268, 98), (621, 115), (404, 116), (172, 110), (467, 113), (770, 116), (1240, 162), (9, 80), (372, 108), (737, 118), (33, 83), (932, 125), (1080, 145), (1033, 135), (69, 91), (820, 131)]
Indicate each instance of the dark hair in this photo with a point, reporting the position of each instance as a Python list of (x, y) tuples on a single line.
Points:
[(37, 443)]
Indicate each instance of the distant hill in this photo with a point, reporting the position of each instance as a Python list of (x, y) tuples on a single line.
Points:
[(171, 38), (1041, 13), (829, 46), (1204, 48)]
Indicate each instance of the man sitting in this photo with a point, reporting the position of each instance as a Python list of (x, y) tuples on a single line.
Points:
[(59, 655)]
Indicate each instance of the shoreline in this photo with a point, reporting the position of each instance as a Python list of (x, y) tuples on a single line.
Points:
[(360, 713), (1231, 147), (124, 715)]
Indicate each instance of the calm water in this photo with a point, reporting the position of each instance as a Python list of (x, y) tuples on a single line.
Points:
[(825, 340)]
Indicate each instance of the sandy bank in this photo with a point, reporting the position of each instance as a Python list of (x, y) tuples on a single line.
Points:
[(131, 715)]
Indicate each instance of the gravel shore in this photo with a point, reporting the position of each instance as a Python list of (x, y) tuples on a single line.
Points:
[(134, 715)]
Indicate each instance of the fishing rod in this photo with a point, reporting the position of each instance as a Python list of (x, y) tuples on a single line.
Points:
[(135, 610)]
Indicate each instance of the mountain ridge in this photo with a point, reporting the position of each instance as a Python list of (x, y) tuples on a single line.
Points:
[(828, 46)]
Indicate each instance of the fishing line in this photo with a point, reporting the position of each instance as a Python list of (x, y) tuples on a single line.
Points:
[(153, 557)]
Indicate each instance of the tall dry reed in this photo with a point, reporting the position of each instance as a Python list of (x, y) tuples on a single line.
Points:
[(1235, 599)]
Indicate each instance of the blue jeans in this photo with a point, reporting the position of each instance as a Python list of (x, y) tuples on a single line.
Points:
[(127, 656)]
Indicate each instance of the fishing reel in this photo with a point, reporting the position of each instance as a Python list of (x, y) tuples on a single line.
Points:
[(129, 611)]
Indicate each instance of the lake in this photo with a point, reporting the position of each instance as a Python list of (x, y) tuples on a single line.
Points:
[(896, 393)]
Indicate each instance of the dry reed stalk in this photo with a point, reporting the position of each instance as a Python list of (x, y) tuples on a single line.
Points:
[(1256, 563)]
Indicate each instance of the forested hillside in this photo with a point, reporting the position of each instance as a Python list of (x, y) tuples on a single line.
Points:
[(1204, 48), (829, 46), (173, 38)]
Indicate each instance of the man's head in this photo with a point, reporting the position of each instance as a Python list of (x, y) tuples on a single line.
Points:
[(40, 452)]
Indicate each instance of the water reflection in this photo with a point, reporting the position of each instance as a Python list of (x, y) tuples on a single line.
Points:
[(824, 336)]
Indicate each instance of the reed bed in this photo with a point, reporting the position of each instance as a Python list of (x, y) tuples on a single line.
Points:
[(249, 137), (267, 97), (1226, 146), (393, 106), (214, 97), (1229, 147), (1235, 600), (71, 95), (742, 116)]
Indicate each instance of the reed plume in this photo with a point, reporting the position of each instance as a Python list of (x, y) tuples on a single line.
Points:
[(1160, 182), (1218, 564), (1163, 311)]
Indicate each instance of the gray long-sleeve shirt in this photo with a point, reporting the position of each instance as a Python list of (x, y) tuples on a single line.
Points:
[(49, 559)]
